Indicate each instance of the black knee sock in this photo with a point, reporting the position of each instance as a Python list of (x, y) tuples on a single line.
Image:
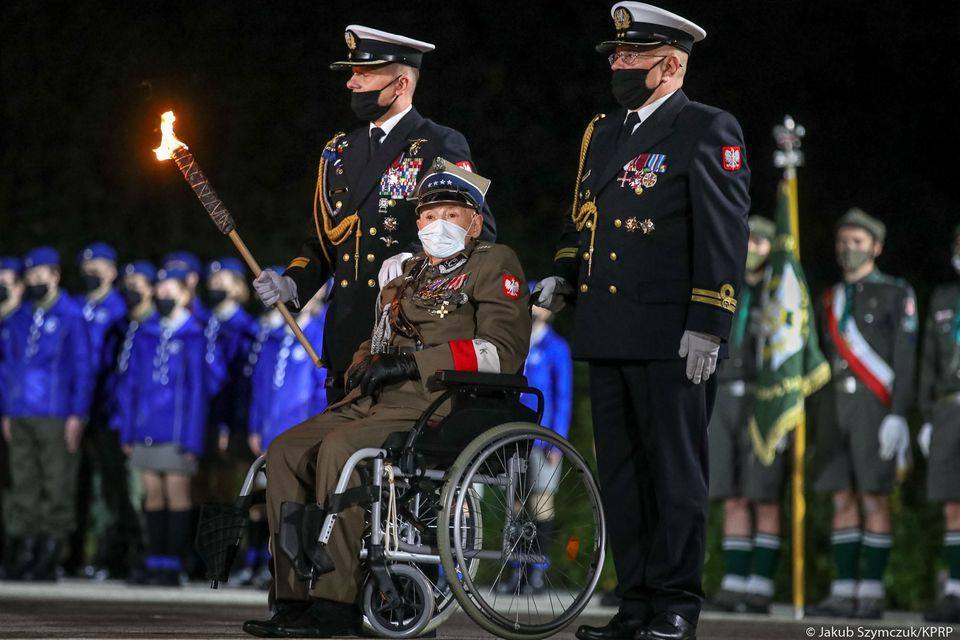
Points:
[(179, 537), (545, 540), (157, 534)]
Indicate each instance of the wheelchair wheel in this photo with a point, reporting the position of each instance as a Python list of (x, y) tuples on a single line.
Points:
[(541, 549), (409, 617)]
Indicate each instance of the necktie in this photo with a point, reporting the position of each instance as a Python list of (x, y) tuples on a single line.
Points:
[(633, 119), (376, 135)]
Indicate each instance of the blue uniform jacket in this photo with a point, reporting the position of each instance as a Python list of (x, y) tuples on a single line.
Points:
[(228, 345), (102, 319), (549, 367), (46, 362), (5, 347), (119, 344), (162, 395), (287, 387)]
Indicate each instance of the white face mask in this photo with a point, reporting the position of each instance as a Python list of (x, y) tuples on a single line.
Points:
[(442, 239)]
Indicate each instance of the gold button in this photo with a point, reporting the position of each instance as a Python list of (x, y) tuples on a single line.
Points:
[(393, 203), (618, 223), (371, 282), (613, 289), (371, 257), (339, 204), (344, 283), (589, 224), (613, 256), (346, 257), (583, 288), (373, 231), (586, 255)]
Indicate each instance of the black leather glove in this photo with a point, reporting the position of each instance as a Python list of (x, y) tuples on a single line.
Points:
[(387, 368), (355, 373)]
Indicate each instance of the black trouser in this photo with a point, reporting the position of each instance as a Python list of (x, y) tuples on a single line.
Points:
[(650, 429)]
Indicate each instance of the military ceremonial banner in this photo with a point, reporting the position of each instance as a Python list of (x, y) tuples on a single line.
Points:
[(791, 365)]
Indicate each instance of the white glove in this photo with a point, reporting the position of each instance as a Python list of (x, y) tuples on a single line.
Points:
[(923, 439), (702, 352), (549, 293), (894, 436), (272, 288), (392, 268)]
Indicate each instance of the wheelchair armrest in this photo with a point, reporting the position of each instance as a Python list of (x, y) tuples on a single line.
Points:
[(446, 379)]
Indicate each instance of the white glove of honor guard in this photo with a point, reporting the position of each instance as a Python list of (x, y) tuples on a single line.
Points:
[(923, 438), (702, 352), (392, 268), (894, 436), (272, 288), (549, 293)]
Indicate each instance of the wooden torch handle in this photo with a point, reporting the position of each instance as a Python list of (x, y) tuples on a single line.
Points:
[(282, 308)]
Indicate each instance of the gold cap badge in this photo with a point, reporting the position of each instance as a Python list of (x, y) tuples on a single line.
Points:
[(350, 39), (621, 18)]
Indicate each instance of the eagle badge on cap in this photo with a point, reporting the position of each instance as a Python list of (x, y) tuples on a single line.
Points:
[(621, 18), (351, 40)]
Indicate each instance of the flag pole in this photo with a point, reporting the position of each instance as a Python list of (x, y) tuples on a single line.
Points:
[(789, 157)]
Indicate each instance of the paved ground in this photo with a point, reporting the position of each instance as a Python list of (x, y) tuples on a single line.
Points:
[(74, 609)]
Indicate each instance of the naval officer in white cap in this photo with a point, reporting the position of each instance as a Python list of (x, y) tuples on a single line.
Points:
[(653, 253), (363, 223)]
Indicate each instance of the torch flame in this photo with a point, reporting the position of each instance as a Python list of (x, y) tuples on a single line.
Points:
[(169, 142)]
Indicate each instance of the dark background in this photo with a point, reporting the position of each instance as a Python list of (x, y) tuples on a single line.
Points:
[(83, 88)]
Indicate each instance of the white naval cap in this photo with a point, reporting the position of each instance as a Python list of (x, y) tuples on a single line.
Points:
[(643, 24), (370, 47)]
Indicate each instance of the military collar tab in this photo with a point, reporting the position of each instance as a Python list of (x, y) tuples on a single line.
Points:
[(452, 263)]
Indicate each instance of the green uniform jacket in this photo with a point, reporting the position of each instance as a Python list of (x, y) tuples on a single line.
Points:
[(940, 360)]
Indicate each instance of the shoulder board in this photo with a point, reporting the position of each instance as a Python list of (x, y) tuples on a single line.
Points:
[(483, 246)]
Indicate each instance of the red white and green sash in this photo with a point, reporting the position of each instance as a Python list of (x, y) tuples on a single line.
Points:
[(865, 363)]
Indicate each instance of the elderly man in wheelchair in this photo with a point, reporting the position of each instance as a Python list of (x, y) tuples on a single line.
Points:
[(414, 492)]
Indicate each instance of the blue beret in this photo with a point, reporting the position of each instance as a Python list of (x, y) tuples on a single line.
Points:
[(182, 260), (173, 273), (143, 267), (227, 264), (97, 250), (42, 256), (11, 263)]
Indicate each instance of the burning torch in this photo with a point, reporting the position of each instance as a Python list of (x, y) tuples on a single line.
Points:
[(169, 148)]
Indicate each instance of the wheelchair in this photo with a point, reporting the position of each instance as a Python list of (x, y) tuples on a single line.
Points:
[(455, 511)]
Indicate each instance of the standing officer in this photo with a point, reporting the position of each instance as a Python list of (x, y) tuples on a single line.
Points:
[(361, 215), (736, 474), (939, 438), (189, 262), (869, 335), (97, 496), (47, 397), (11, 293), (653, 254), (460, 304)]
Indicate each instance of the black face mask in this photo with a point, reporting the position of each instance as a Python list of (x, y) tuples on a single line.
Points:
[(630, 87), (132, 297), (37, 292), (165, 306), (90, 282), (365, 104), (216, 296), (4, 293)]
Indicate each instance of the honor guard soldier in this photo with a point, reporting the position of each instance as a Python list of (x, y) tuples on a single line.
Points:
[(653, 255), (939, 438), (362, 215), (869, 335), (47, 391), (187, 261), (161, 415), (459, 304), (103, 309), (736, 474)]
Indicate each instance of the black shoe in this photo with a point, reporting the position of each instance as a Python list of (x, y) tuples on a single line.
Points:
[(833, 607), (46, 561), (322, 619), (511, 584), (285, 611), (668, 626), (869, 609), (18, 557), (620, 627), (536, 583), (756, 603), (726, 601), (946, 609), (164, 578)]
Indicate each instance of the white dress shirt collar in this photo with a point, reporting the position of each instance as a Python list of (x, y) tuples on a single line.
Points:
[(647, 110), (388, 126)]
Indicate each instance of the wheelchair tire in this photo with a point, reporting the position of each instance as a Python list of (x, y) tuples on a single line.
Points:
[(415, 611), (469, 594)]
